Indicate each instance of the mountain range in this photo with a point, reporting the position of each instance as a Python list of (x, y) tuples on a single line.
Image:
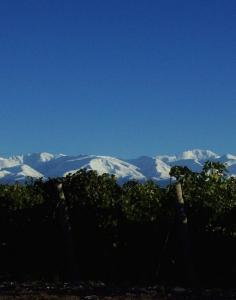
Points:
[(46, 165)]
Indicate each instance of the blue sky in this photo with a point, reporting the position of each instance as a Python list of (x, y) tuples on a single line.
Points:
[(117, 77)]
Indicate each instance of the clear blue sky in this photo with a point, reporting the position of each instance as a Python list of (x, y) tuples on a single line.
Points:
[(117, 77)]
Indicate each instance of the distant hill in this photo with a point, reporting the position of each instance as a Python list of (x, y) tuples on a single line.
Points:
[(45, 165)]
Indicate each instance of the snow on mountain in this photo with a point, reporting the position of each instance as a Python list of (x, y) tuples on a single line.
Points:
[(35, 160), (101, 164), (228, 159), (152, 168), (146, 165), (4, 174), (9, 162), (198, 155), (194, 155), (121, 169), (38, 157), (163, 169), (192, 164), (18, 173), (232, 170), (45, 165)]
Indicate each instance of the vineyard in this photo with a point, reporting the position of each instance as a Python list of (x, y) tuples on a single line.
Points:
[(87, 227)]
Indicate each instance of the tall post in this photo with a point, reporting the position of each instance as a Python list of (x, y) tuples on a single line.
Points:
[(64, 218), (182, 217), (183, 236)]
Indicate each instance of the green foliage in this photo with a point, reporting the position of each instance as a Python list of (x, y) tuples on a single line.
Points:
[(17, 197), (112, 224), (142, 202), (209, 196)]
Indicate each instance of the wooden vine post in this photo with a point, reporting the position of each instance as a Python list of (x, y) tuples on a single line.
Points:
[(183, 237), (64, 217)]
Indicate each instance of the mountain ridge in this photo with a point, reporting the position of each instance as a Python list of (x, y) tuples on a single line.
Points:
[(43, 164)]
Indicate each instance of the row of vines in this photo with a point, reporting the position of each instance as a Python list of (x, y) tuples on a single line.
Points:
[(100, 230)]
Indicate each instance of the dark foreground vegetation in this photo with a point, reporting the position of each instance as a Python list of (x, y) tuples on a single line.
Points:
[(86, 227)]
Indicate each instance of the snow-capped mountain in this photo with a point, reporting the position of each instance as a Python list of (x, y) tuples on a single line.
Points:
[(18, 173), (102, 164), (152, 168), (45, 165), (198, 155)]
